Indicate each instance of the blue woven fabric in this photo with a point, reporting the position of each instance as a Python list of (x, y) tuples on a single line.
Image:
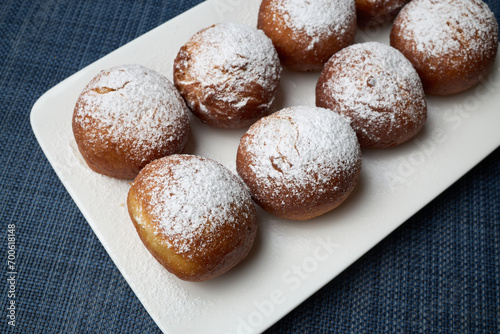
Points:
[(438, 273)]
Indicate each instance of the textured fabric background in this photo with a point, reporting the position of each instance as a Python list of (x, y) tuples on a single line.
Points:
[(438, 273)]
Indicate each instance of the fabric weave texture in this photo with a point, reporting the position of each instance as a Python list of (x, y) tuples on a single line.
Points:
[(438, 273)]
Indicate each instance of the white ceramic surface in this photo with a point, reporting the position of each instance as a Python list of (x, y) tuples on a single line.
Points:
[(290, 260)]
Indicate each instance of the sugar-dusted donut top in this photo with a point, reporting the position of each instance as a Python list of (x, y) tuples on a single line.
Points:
[(317, 19), (301, 147), (224, 59), (189, 198), (375, 83), (131, 106), (445, 27)]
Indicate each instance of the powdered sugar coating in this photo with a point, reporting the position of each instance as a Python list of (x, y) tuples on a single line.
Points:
[(377, 88), (299, 156), (133, 112), (317, 19), (192, 202), (456, 31), (307, 33), (228, 71)]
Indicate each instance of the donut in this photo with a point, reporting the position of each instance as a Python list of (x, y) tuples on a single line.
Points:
[(451, 43), (228, 74), (378, 12), (299, 162), (307, 33), (378, 90), (193, 215), (126, 117)]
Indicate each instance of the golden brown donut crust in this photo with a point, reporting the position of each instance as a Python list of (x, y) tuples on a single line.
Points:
[(452, 43), (126, 117), (378, 12), (169, 205), (298, 48)]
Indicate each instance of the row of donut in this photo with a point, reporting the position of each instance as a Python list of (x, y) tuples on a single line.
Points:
[(451, 43), (195, 216)]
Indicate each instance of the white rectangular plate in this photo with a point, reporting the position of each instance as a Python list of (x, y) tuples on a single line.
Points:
[(290, 260)]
